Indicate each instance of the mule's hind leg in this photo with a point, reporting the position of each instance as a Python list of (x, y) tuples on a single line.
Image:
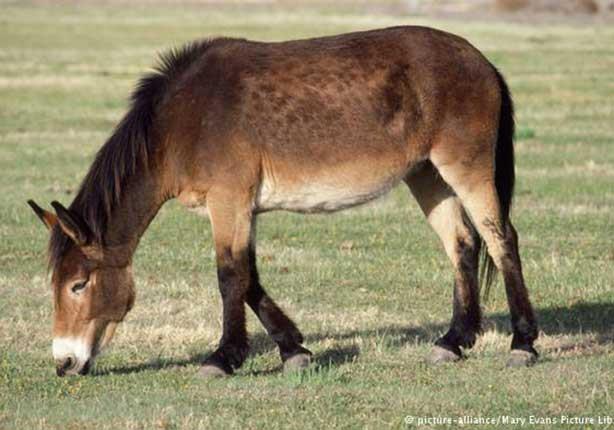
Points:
[(446, 215), (472, 178), (281, 328)]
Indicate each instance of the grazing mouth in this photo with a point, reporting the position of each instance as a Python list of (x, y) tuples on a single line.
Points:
[(71, 367), (76, 357)]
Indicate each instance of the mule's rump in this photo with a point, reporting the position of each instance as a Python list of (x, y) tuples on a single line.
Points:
[(323, 124)]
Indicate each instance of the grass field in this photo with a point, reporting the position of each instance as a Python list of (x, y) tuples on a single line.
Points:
[(370, 287)]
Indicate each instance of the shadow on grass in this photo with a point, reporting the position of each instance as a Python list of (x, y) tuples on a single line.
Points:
[(580, 318), (260, 343), (155, 364), (337, 356), (330, 358)]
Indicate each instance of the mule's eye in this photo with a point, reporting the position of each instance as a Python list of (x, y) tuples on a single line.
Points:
[(79, 286)]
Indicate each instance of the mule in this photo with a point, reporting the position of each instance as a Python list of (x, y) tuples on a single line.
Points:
[(238, 127)]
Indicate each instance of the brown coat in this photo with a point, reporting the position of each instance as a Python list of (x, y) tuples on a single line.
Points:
[(239, 127)]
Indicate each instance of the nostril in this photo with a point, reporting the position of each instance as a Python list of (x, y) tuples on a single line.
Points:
[(64, 364)]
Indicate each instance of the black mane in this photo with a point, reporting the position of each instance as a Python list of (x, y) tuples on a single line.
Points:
[(128, 150)]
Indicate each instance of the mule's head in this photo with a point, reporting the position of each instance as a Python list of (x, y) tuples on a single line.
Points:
[(92, 286)]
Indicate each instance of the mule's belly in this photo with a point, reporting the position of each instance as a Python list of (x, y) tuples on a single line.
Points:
[(318, 194)]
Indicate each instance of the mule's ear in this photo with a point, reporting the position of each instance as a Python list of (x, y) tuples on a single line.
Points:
[(72, 224), (48, 218)]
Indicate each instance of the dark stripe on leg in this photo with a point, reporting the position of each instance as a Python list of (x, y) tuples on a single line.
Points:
[(281, 328)]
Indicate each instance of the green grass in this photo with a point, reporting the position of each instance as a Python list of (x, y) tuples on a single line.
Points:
[(370, 310)]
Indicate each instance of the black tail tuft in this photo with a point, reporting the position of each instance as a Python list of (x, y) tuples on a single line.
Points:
[(504, 175)]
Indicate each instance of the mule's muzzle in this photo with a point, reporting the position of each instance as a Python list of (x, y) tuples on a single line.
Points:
[(70, 366)]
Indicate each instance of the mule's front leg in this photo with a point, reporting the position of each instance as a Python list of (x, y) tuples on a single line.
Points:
[(233, 347), (231, 223), (279, 327)]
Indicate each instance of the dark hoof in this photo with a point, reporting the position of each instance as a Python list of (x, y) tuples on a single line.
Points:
[(210, 371), (441, 355), (297, 362), (215, 366), (521, 358)]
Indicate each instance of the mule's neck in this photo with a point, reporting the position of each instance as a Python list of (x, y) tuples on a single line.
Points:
[(141, 199)]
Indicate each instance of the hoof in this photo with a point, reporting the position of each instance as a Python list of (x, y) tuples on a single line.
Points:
[(521, 358), (442, 355), (211, 371), (297, 363)]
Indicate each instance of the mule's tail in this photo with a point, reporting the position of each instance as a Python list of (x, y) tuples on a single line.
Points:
[(504, 175)]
